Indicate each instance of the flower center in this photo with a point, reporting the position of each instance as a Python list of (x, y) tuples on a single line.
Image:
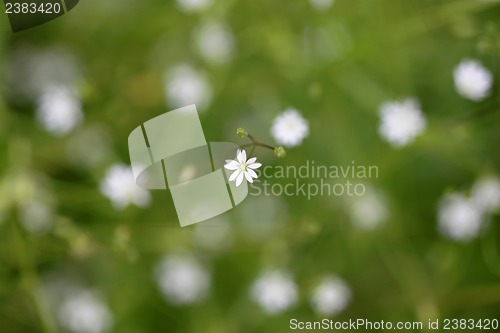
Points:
[(243, 166)]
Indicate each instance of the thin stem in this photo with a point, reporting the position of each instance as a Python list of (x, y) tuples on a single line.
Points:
[(260, 144), (278, 151), (257, 143)]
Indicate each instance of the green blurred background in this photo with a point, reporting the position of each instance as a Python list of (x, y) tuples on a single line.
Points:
[(336, 65)]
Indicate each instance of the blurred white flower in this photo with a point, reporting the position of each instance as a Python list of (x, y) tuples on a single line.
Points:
[(331, 296), (59, 109), (190, 6), (242, 167), (472, 80), (290, 128), (215, 43), (274, 291), (85, 312), (369, 211), (321, 5), (119, 186), (36, 216), (486, 194), (185, 86), (401, 122), (459, 217), (182, 280)]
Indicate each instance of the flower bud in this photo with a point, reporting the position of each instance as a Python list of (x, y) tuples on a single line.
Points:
[(280, 152), (241, 132)]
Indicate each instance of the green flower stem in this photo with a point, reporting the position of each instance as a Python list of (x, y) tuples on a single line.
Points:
[(278, 151), (259, 144), (255, 143)]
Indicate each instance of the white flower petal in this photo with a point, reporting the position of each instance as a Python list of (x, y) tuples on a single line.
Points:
[(274, 291), (252, 173), (243, 156), (239, 179), (248, 177), (59, 110), (401, 122), (215, 43), (234, 175), (119, 186), (252, 160), (459, 217), (321, 5), (290, 128), (83, 310), (194, 6), (331, 296), (255, 165), (185, 85), (472, 80), (486, 194), (233, 165), (182, 280)]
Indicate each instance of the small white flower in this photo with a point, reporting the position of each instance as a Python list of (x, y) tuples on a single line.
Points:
[(215, 43), (59, 110), (472, 80), (182, 280), (331, 296), (191, 6), (242, 167), (321, 5), (85, 312), (459, 217), (119, 186), (274, 291), (290, 128), (185, 86), (401, 122), (369, 211), (486, 194)]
